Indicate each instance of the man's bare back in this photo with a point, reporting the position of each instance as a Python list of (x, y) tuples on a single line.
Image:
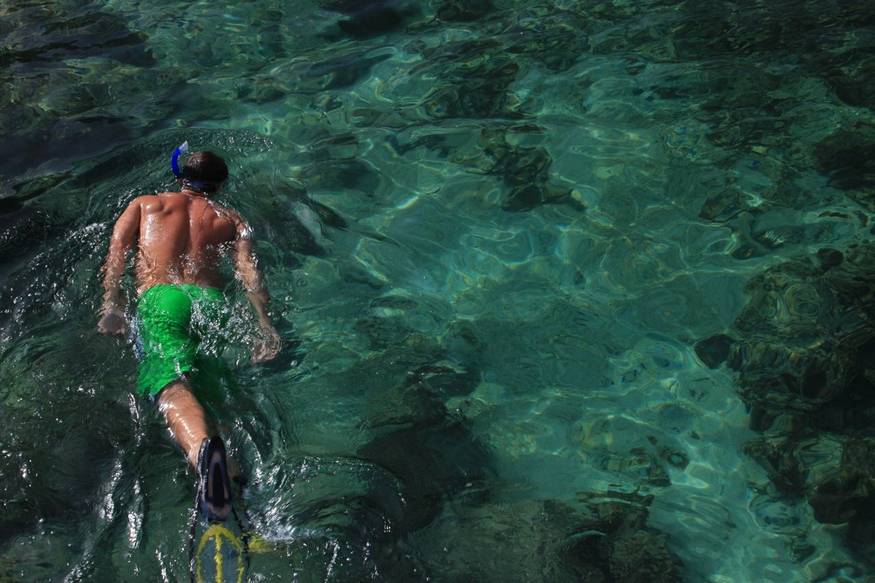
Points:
[(182, 237)]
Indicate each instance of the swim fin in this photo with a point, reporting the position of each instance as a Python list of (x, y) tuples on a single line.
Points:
[(214, 486)]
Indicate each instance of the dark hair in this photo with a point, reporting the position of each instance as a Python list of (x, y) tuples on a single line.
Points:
[(205, 171)]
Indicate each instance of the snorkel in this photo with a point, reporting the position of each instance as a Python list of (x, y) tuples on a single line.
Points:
[(174, 158)]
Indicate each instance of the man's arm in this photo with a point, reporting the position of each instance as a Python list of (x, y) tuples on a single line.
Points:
[(246, 267), (124, 237)]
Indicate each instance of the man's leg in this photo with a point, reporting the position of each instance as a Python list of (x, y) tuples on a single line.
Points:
[(185, 418), (187, 422)]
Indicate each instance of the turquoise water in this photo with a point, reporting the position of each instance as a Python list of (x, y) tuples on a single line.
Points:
[(493, 232)]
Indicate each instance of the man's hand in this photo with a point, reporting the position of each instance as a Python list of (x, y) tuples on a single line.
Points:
[(112, 323), (268, 344)]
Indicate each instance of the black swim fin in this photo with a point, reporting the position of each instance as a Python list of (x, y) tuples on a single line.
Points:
[(214, 486)]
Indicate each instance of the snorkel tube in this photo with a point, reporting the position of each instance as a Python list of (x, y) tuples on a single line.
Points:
[(174, 158)]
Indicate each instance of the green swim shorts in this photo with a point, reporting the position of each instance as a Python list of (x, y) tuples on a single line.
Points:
[(180, 335)]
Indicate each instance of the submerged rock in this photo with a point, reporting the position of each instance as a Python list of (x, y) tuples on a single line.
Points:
[(804, 349), (524, 171), (557, 40), (432, 452), (806, 338), (367, 19), (463, 10), (852, 77), (338, 72), (724, 206), (714, 350), (475, 77), (642, 557), (333, 517), (433, 464), (848, 157), (600, 538), (829, 258), (849, 492)]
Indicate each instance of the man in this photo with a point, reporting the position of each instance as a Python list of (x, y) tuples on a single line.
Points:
[(180, 238)]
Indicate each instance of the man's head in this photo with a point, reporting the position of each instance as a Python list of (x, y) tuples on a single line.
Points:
[(204, 171)]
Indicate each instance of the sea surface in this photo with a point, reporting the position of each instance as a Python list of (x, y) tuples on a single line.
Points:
[(493, 232)]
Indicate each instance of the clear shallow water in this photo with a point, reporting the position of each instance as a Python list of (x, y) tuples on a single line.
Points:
[(493, 233)]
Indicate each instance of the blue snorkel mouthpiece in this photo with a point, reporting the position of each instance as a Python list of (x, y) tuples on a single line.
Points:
[(174, 158)]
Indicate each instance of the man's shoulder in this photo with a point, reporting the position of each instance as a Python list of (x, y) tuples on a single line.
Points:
[(240, 225), (158, 200), (144, 199), (227, 212)]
